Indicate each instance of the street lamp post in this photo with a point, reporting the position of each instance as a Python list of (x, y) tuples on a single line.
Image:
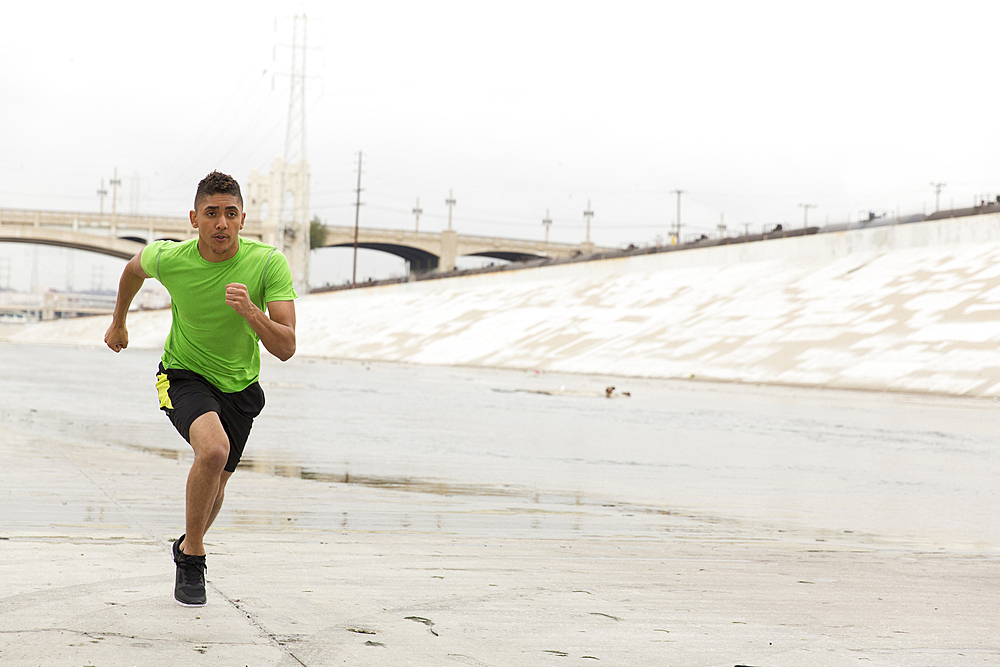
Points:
[(677, 235), (805, 214), (101, 193), (416, 212), (937, 195), (450, 201)]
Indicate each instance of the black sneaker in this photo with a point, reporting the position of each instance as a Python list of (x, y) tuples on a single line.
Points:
[(189, 585)]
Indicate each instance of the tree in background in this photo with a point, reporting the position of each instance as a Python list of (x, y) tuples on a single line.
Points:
[(317, 233)]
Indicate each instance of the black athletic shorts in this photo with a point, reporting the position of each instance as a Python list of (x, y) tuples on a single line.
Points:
[(185, 396)]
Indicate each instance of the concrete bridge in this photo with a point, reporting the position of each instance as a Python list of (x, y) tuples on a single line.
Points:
[(115, 235), (427, 251), (51, 305), (124, 235)]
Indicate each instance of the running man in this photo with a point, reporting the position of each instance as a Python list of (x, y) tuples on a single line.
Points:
[(220, 285)]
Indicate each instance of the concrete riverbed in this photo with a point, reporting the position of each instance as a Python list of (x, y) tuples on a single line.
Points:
[(406, 515), (771, 454)]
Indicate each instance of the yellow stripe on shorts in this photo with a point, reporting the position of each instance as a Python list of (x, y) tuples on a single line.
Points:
[(162, 385)]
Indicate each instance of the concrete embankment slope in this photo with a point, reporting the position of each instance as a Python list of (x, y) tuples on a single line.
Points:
[(910, 307)]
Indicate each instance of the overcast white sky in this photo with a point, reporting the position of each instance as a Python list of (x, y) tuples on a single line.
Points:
[(519, 107)]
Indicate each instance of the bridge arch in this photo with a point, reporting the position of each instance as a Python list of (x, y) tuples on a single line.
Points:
[(439, 250), (420, 260), (102, 245), (509, 256)]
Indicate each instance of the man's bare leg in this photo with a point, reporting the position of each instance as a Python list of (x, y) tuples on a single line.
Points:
[(218, 498), (204, 483)]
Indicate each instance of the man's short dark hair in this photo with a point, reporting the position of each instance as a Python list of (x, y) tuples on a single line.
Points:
[(218, 183)]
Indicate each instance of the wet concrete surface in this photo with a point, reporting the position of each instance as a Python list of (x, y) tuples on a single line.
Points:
[(918, 469), (396, 515)]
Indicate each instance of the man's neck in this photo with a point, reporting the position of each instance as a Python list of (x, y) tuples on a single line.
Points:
[(210, 256)]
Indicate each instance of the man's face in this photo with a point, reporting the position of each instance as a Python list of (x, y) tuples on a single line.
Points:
[(218, 219)]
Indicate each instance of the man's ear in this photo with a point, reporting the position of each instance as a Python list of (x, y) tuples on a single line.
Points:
[(194, 219)]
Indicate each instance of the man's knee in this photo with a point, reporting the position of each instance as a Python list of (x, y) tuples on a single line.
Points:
[(213, 457), (209, 441)]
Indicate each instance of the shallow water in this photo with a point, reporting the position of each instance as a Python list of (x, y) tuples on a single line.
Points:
[(903, 468)]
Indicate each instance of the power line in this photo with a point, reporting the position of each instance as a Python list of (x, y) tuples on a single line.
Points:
[(212, 134)]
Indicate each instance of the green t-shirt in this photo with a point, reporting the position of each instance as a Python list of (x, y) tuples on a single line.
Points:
[(206, 335)]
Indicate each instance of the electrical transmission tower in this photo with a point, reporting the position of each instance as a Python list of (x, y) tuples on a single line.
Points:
[(286, 190), (295, 131), (295, 173)]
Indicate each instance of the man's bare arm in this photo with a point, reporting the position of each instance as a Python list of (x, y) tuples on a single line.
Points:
[(276, 329), (129, 285)]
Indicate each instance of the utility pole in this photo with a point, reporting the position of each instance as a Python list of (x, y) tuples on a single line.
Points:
[(588, 215), (722, 226), (805, 214), (357, 217), (677, 236), (450, 201), (547, 222), (115, 182), (417, 211), (937, 195), (102, 192)]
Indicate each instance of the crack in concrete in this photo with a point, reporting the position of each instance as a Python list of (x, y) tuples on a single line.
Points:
[(272, 637)]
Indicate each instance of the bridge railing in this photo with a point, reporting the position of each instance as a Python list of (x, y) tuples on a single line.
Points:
[(337, 231), (106, 224), (74, 219), (51, 305)]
